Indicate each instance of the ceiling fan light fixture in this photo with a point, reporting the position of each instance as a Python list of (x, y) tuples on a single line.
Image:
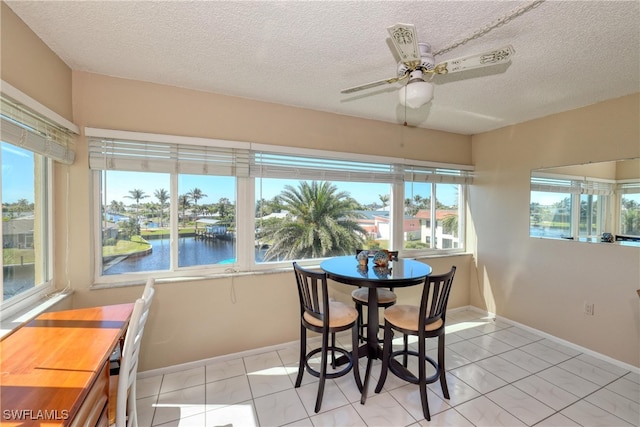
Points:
[(416, 93)]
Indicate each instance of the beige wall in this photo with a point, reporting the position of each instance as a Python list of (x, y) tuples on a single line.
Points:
[(106, 102), (543, 283), (29, 65), (629, 169)]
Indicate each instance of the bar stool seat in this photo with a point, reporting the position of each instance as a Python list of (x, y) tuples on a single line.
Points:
[(385, 296)]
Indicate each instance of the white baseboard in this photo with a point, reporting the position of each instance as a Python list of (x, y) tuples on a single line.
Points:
[(555, 339), (253, 352), (204, 362)]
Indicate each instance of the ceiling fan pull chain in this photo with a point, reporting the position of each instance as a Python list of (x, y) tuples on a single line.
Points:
[(497, 23)]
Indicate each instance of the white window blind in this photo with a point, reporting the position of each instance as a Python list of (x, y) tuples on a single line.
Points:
[(276, 165), (437, 175), (26, 129), (553, 185), (122, 150), (159, 156), (628, 188), (596, 187), (557, 185)]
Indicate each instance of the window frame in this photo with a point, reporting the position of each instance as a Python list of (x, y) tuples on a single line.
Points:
[(624, 187), (25, 299), (246, 203), (575, 187), (37, 119)]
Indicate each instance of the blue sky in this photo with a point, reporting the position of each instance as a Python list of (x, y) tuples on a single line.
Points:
[(120, 184), (17, 174)]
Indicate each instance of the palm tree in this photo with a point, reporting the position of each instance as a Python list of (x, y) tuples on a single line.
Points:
[(195, 195), (116, 206), (162, 195), (137, 195), (321, 223), (150, 208), (225, 210), (23, 205), (384, 198), (450, 224), (183, 201), (630, 221)]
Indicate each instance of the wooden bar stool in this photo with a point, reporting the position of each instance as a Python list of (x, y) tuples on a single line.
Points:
[(424, 321), (319, 314)]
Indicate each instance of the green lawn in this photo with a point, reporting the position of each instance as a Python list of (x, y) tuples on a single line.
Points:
[(13, 256), (125, 247)]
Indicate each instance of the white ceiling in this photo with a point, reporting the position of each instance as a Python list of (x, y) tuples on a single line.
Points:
[(302, 53)]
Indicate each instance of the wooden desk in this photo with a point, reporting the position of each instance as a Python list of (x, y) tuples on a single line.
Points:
[(54, 370)]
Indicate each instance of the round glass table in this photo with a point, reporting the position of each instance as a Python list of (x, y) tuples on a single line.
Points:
[(398, 274)]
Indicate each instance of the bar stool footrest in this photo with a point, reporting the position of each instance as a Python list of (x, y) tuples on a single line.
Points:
[(329, 375), (400, 371)]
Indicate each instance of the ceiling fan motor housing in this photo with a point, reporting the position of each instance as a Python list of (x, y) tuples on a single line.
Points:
[(427, 61)]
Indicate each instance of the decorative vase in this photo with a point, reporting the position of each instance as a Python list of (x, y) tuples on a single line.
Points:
[(363, 258), (381, 258)]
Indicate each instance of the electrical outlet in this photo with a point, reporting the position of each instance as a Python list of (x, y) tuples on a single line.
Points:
[(588, 308)]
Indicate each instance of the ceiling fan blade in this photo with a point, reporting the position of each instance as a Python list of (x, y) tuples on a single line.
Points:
[(405, 40), (493, 57), (374, 84)]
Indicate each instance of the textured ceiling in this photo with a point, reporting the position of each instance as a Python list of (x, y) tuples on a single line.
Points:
[(568, 53)]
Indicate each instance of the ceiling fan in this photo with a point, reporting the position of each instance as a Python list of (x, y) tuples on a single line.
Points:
[(416, 61)]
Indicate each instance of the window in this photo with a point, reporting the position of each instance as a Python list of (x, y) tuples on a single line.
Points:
[(137, 227), (629, 208), (135, 222), (433, 208), (550, 214), (162, 208), (567, 208), (591, 208), (209, 203), (30, 142), (311, 207), (309, 219), (165, 204), (24, 220)]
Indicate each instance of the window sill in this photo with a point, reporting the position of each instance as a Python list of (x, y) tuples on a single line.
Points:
[(227, 274), (46, 303)]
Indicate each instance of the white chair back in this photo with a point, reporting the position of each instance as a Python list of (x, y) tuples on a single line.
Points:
[(126, 415)]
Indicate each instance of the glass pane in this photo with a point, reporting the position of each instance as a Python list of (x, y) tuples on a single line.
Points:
[(550, 214), (135, 222), (417, 215), (447, 215), (24, 220), (207, 212), (630, 215), (317, 219), (590, 208)]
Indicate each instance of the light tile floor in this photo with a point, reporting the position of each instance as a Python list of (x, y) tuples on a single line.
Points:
[(498, 375)]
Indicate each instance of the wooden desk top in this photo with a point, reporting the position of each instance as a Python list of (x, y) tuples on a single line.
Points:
[(51, 362)]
